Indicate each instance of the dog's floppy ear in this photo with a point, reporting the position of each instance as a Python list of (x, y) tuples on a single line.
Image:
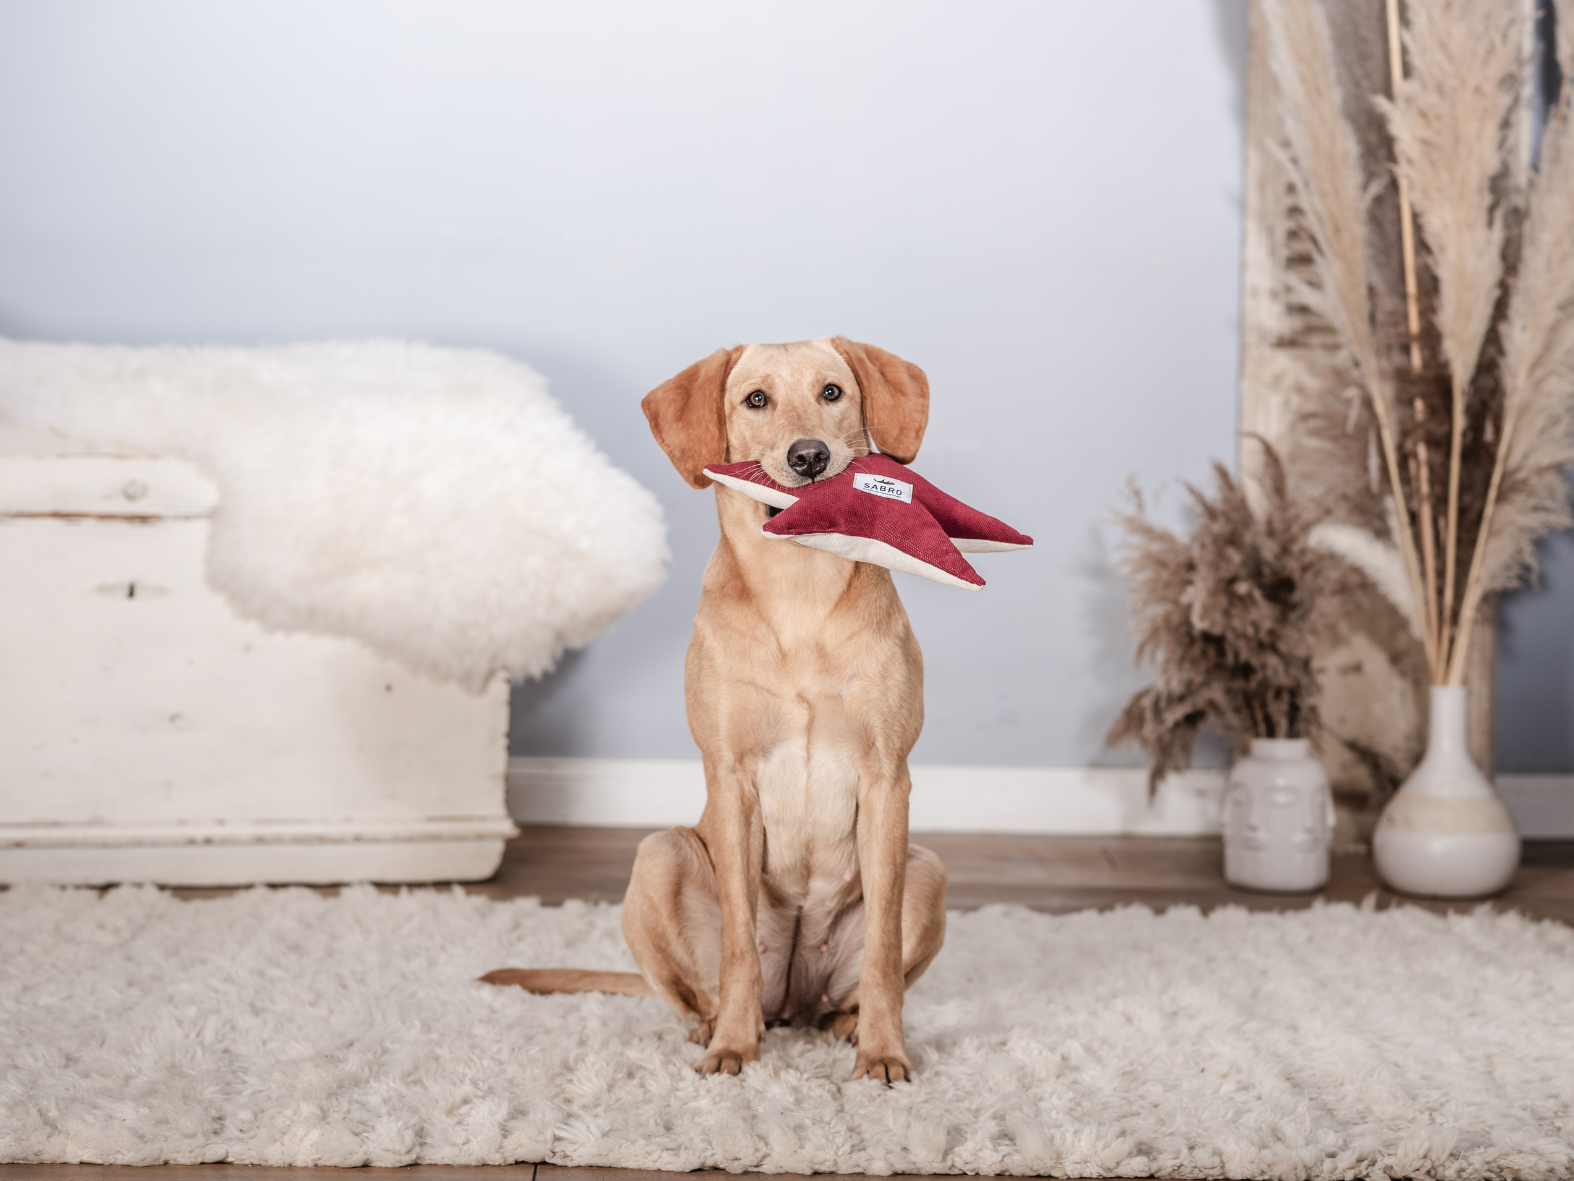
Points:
[(896, 397), (687, 417)]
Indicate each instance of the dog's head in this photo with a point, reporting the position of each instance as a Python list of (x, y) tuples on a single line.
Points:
[(803, 411)]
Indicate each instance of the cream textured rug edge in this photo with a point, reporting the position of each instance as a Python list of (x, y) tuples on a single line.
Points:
[(280, 1027)]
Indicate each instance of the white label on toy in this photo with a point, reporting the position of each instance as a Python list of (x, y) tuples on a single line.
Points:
[(884, 486)]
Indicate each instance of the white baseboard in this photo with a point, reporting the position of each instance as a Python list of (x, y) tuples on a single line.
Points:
[(115, 834), (1542, 805), (320, 863), (656, 793), (239, 852), (1073, 801)]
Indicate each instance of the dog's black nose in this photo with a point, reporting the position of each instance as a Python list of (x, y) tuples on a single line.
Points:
[(808, 457)]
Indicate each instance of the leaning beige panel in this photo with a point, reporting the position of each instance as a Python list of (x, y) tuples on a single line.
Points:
[(150, 734)]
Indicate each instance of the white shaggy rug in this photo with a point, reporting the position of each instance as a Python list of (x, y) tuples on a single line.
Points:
[(279, 1027), (435, 504)]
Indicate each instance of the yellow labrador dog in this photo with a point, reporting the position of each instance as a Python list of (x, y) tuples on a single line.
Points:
[(797, 898)]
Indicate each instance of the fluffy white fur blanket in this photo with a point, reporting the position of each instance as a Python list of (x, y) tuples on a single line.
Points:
[(280, 1027), (436, 504)]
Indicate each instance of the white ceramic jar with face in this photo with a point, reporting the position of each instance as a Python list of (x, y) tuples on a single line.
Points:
[(1278, 818)]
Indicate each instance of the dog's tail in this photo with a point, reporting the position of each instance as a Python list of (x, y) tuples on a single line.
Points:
[(548, 980)]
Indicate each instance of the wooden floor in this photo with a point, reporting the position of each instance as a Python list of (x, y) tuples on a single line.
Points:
[(1055, 874)]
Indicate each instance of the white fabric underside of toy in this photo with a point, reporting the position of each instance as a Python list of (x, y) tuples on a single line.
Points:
[(436, 504), (759, 492), (878, 553), (975, 545)]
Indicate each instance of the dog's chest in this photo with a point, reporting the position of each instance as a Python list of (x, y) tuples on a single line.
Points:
[(809, 807)]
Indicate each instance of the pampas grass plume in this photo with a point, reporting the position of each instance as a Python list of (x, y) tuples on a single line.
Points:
[(1229, 617)]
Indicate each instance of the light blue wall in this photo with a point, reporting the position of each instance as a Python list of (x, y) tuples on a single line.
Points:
[(1037, 202), (1535, 708)]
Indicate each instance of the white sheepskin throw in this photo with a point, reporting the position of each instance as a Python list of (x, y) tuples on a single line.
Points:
[(285, 1028), (435, 504)]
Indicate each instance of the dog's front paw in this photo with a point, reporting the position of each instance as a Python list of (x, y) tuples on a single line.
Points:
[(701, 1034), (886, 1068), (726, 1059)]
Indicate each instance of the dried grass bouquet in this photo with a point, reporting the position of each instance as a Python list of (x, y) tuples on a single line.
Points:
[(1437, 380), (1229, 616)]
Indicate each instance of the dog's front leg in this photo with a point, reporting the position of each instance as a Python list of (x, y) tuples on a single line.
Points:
[(732, 828), (882, 853)]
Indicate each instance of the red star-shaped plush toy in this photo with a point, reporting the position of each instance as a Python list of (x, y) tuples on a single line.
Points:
[(878, 511)]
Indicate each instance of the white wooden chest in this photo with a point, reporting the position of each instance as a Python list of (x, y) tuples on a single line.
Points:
[(147, 733)]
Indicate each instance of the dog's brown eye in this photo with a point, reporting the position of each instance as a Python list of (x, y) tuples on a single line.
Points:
[(831, 392), (756, 399)]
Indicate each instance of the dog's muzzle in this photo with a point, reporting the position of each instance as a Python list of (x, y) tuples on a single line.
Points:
[(808, 458)]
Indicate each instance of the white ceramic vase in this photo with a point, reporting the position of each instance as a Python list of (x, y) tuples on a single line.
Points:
[(1445, 833), (1278, 817)]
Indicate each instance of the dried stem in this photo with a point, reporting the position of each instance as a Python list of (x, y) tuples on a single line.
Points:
[(1422, 467), (1456, 443), (1471, 602)]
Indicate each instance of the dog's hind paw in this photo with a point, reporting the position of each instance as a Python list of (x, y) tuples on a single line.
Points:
[(700, 1035), (842, 1025)]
